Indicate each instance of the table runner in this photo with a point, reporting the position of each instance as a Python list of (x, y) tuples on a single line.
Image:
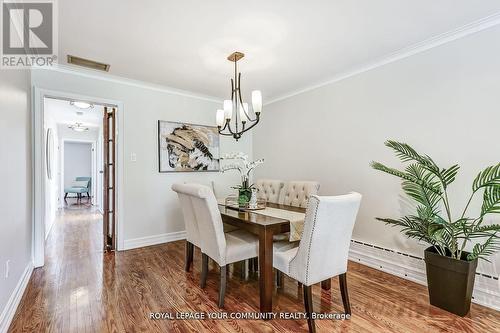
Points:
[(296, 220)]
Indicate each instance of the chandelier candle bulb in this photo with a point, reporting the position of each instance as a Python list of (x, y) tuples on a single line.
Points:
[(220, 118), (228, 109), (257, 101), (244, 112)]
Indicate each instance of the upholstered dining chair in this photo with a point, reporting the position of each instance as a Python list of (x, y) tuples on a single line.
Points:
[(297, 193), (323, 249), (192, 233), (223, 248), (269, 189)]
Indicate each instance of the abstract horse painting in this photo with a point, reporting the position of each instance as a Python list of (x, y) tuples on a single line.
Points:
[(187, 147)]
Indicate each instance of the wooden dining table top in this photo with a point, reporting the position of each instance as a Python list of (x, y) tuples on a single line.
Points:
[(253, 216)]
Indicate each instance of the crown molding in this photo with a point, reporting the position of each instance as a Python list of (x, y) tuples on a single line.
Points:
[(94, 74), (430, 43)]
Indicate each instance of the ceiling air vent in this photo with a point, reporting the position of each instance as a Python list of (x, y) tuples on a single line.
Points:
[(87, 63)]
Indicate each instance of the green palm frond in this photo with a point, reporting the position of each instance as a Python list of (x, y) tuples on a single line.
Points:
[(489, 247), (414, 227), (448, 175), (488, 177), (406, 153), (483, 231), (425, 212), (420, 191), (406, 176), (491, 200)]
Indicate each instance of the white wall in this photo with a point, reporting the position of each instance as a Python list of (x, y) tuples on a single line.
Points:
[(77, 161), (445, 102), (150, 206), (15, 206)]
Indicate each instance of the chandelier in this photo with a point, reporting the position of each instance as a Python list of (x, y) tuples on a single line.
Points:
[(235, 119)]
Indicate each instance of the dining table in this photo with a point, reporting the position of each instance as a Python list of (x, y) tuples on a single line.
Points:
[(265, 227)]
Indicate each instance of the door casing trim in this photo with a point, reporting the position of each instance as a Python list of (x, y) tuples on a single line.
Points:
[(38, 166)]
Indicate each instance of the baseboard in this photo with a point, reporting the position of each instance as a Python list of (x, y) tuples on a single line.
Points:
[(15, 298), (486, 288), (154, 240)]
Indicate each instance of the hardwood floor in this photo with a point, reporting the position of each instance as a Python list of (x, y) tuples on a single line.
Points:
[(81, 289)]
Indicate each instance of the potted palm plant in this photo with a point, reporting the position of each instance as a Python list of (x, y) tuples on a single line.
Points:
[(450, 269)]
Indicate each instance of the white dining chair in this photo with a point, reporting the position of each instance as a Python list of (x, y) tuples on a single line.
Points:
[(324, 247), (192, 233), (223, 248), (269, 189), (297, 193)]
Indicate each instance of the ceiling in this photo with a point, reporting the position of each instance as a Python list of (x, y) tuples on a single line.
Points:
[(289, 45), (64, 113)]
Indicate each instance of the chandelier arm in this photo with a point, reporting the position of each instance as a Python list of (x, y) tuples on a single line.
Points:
[(229, 128), (226, 134), (241, 100), (253, 125), (223, 128), (232, 89)]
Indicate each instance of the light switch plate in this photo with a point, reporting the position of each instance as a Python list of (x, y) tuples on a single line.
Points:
[(133, 157)]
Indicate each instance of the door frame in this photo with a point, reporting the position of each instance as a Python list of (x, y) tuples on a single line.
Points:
[(39, 167)]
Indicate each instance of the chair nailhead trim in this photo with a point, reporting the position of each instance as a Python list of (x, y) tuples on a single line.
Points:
[(310, 242)]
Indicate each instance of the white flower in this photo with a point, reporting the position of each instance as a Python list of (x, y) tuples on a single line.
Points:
[(242, 165)]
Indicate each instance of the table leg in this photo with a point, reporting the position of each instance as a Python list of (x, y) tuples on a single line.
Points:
[(266, 270), (326, 284)]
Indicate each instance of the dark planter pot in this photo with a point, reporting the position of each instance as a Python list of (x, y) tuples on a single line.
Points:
[(450, 281)]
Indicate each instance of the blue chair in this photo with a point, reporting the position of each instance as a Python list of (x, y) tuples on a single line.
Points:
[(79, 190)]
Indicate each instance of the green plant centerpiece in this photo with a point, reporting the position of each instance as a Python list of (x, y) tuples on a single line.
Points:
[(244, 167), (450, 269)]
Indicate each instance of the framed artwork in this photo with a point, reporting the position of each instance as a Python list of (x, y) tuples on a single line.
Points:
[(187, 147)]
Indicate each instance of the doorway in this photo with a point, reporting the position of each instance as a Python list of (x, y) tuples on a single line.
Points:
[(71, 161), (79, 165)]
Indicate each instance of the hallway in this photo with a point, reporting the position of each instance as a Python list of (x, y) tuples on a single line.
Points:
[(64, 293)]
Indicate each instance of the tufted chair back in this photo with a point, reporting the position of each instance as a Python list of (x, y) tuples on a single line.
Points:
[(297, 193), (192, 232), (269, 189), (327, 229)]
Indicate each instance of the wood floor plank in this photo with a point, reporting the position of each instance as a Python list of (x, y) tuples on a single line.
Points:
[(82, 289)]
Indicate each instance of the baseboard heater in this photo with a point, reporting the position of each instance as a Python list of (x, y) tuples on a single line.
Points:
[(412, 256)]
